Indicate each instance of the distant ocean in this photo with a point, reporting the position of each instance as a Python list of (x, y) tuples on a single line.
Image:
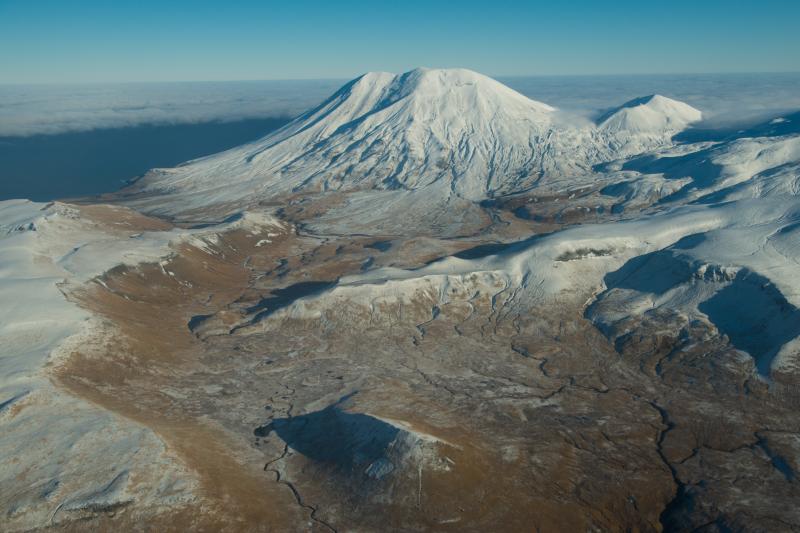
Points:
[(65, 141), (77, 164)]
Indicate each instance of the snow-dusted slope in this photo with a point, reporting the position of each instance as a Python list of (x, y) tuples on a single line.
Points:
[(729, 257), (71, 454), (743, 166), (448, 132), (735, 263)]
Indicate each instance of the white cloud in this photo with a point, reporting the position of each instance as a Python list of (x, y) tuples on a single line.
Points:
[(47, 109), (721, 97), (31, 110)]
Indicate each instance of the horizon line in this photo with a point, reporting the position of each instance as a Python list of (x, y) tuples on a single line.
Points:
[(345, 78)]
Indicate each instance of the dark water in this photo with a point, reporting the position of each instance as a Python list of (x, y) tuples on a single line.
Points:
[(381, 246), (68, 165)]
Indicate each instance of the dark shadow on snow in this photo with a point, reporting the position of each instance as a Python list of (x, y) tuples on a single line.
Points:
[(285, 297), (335, 437), (698, 165), (749, 309), (656, 273), (755, 316)]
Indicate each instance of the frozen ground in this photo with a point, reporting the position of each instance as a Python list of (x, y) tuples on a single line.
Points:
[(50, 439), (54, 438)]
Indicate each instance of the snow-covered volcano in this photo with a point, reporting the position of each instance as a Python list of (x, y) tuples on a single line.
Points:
[(449, 131)]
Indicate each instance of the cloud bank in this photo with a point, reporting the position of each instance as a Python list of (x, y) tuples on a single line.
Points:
[(723, 98), (49, 109), (40, 109)]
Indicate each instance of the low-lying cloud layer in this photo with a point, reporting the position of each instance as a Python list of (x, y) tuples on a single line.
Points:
[(32, 110), (722, 98), (49, 109)]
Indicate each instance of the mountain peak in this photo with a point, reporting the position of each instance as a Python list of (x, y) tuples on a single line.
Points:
[(654, 113), (451, 132), (446, 87), (446, 76)]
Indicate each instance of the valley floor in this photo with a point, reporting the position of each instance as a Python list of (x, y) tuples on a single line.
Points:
[(407, 396)]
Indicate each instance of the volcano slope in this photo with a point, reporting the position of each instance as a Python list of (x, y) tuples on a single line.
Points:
[(433, 304)]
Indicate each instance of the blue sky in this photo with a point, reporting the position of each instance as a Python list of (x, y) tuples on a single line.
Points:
[(172, 40)]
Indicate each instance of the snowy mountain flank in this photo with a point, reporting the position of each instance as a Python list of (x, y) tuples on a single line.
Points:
[(428, 303), (449, 132)]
